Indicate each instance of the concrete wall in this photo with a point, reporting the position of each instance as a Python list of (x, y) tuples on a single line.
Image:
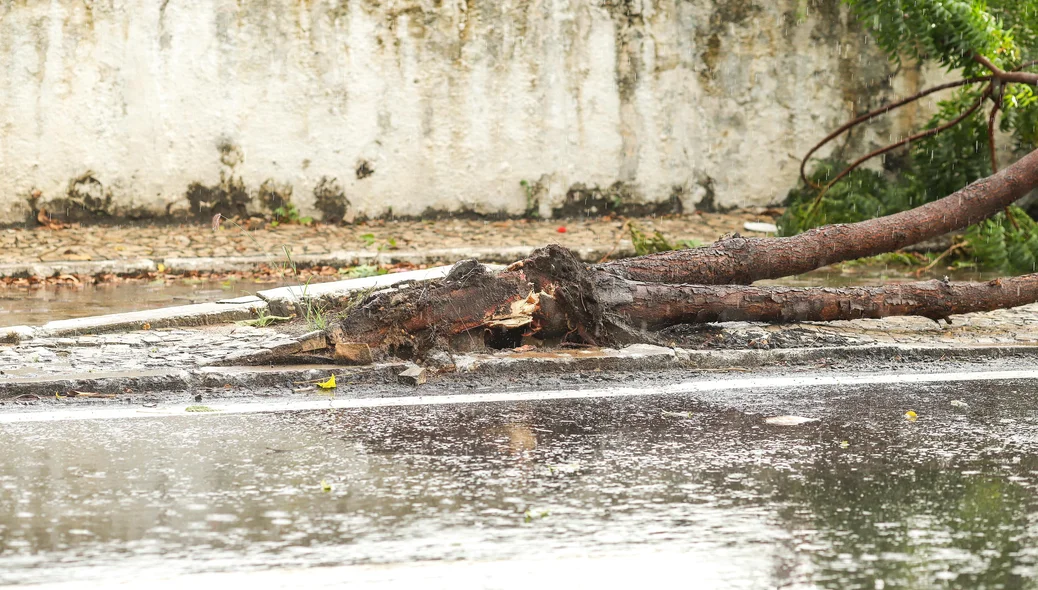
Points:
[(137, 107)]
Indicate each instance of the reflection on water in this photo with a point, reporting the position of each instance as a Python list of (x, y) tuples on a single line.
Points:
[(861, 499), (33, 307)]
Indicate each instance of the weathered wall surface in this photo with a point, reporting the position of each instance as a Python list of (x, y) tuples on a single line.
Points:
[(133, 107)]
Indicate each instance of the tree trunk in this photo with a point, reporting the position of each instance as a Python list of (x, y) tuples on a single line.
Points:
[(742, 261)]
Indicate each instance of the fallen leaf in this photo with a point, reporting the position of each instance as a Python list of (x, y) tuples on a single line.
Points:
[(329, 384), (160, 267), (960, 404), (844, 444), (911, 416), (198, 409), (325, 486), (89, 394)]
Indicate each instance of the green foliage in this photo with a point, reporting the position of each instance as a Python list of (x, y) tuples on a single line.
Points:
[(951, 33), (287, 213), (263, 319), (941, 164), (313, 308), (370, 239), (1003, 246), (862, 194), (657, 242)]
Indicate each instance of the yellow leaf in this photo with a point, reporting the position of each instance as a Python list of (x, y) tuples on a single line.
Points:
[(844, 444), (911, 416), (160, 267), (329, 384)]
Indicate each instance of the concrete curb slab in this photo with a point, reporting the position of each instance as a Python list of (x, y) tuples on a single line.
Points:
[(516, 366), (129, 266)]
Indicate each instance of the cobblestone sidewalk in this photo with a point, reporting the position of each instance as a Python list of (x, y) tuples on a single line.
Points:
[(198, 247)]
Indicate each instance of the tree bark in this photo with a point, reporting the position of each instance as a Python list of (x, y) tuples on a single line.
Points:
[(742, 261), (553, 295)]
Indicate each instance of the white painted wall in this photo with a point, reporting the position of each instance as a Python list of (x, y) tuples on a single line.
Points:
[(453, 102)]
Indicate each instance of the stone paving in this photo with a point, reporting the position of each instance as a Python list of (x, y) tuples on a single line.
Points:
[(134, 351), (196, 247)]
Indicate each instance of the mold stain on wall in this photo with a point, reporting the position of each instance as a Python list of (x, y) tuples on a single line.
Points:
[(426, 104)]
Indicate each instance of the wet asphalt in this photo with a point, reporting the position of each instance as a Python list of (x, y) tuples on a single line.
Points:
[(694, 487)]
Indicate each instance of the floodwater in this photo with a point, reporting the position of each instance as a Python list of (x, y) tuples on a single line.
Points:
[(688, 487)]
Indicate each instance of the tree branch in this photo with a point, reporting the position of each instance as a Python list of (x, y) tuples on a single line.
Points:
[(745, 260), (875, 113), (921, 135), (1003, 76), (653, 306)]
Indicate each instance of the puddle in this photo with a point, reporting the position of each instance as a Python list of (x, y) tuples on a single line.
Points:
[(38, 306), (483, 495)]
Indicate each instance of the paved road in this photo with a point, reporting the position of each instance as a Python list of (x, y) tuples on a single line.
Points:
[(675, 482)]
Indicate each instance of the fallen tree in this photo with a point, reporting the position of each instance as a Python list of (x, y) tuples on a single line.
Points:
[(554, 296)]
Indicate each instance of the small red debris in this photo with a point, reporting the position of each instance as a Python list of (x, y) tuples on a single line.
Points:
[(562, 229)]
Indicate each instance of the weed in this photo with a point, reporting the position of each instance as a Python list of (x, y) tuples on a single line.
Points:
[(657, 242), (531, 199), (263, 319), (313, 310), (370, 240), (287, 213)]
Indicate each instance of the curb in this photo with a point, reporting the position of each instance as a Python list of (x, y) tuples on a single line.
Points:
[(506, 366)]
